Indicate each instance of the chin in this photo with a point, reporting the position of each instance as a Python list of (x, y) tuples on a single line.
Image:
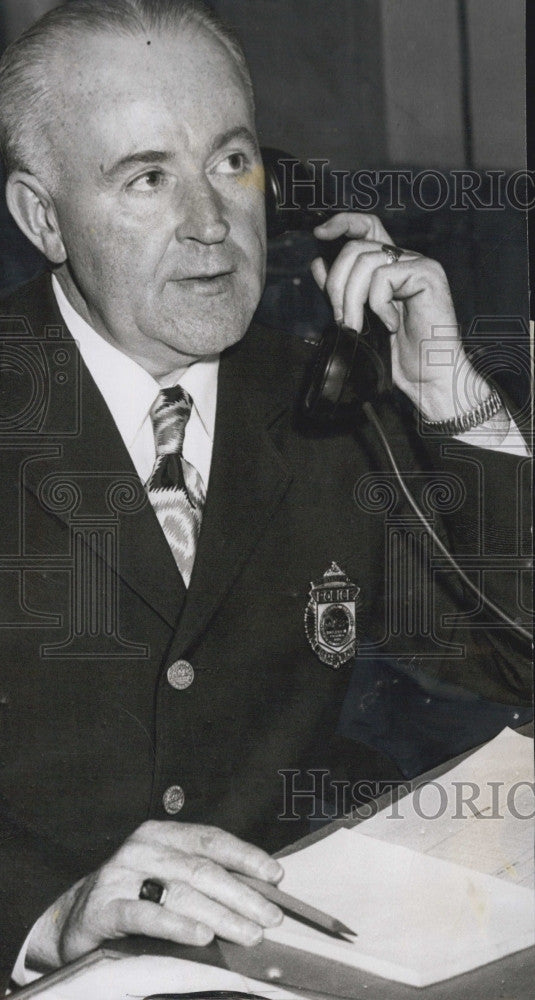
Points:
[(200, 338)]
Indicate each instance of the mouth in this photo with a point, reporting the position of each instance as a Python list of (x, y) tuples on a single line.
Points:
[(207, 283)]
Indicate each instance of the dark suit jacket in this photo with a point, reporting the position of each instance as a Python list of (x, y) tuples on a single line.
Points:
[(94, 610)]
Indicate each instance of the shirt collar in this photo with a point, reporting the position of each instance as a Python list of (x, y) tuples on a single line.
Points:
[(200, 380), (128, 389)]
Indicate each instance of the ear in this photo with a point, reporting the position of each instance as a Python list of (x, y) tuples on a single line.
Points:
[(33, 209)]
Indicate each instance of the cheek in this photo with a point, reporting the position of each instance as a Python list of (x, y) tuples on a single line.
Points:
[(258, 221), (247, 214), (254, 247), (100, 237), (114, 265), (90, 241)]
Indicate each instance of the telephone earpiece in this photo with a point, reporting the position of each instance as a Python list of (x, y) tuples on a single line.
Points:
[(289, 211), (348, 369)]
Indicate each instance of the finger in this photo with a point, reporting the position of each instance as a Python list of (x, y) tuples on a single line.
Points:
[(394, 282), (218, 884), (187, 901), (204, 876), (319, 272), (119, 917), (357, 288), (358, 225), (347, 281), (133, 916), (217, 845), (339, 274), (383, 287)]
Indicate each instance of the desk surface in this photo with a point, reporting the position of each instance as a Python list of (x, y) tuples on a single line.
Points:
[(511, 978)]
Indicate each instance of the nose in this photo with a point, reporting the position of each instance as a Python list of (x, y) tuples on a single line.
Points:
[(201, 212)]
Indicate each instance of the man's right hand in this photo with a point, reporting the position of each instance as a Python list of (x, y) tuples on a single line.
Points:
[(203, 898)]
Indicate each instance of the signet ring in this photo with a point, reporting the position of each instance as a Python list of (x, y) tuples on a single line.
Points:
[(153, 891)]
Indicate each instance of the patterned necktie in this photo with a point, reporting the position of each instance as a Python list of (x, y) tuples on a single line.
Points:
[(175, 488)]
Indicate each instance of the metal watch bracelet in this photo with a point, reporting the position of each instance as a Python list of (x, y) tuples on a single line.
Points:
[(488, 408)]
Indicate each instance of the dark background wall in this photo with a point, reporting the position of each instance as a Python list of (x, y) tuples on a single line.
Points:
[(377, 84), (373, 83)]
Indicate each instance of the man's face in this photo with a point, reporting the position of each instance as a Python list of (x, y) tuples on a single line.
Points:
[(159, 194)]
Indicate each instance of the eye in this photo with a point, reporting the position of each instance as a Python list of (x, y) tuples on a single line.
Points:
[(233, 164), (151, 180)]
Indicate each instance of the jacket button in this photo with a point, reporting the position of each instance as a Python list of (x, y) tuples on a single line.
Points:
[(173, 799), (180, 675)]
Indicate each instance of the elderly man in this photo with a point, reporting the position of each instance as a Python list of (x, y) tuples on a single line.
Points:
[(158, 673)]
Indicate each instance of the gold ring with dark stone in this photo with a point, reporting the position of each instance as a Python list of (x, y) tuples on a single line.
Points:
[(392, 253)]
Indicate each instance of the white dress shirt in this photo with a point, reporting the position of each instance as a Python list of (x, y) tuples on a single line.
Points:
[(129, 392)]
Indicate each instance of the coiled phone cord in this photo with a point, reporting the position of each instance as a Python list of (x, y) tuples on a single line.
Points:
[(497, 611)]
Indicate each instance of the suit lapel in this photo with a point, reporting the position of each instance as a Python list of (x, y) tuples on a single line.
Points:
[(97, 462), (248, 479), (145, 561)]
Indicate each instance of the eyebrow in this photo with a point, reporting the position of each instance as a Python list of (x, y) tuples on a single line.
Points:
[(132, 159), (240, 132), (147, 156)]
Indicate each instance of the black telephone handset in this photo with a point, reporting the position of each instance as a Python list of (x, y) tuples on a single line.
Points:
[(349, 368)]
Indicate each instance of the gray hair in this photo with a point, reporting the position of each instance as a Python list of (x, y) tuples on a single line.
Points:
[(26, 91)]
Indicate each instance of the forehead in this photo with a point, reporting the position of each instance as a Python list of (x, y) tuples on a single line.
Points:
[(111, 87)]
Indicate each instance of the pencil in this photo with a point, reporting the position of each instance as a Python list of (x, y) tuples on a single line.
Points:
[(297, 908)]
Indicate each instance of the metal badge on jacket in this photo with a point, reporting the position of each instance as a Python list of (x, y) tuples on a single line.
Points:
[(331, 617)]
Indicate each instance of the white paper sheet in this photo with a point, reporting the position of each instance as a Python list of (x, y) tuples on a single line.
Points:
[(494, 834), (419, 919)]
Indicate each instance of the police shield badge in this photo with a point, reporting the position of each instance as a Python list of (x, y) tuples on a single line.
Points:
[(331, 617)]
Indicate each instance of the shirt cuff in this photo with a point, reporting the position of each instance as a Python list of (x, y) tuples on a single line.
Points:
[(512, 444), (23, 974)]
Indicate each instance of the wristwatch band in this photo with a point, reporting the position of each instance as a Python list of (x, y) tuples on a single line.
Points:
[(465, 421)]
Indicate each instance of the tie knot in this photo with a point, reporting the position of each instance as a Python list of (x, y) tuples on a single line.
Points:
[(170, 413)]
